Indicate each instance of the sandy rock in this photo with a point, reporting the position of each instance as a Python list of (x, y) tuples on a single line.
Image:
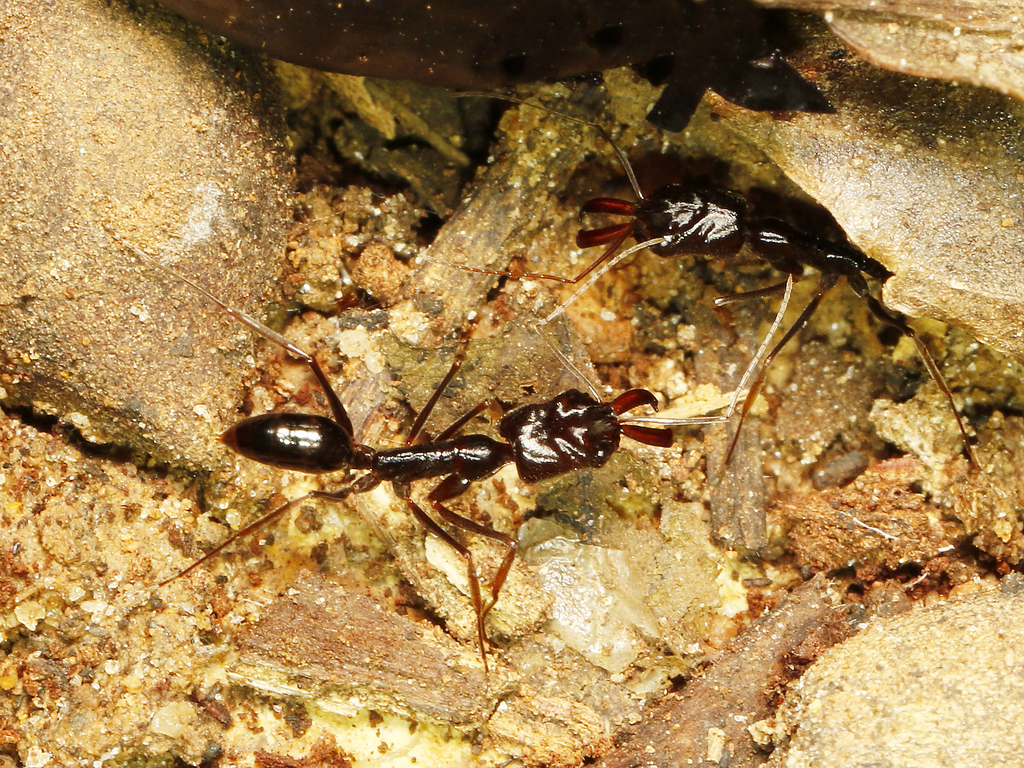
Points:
[(935, 687)]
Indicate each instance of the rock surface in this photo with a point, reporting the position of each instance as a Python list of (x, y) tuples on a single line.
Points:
[(939, 686), (123, 127)]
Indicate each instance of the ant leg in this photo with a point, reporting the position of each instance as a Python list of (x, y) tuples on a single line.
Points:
[(365, 483), (459, 423), (421, 419), (431, 526), (337, 409), (627, 167), (761, 350), (596, 274), (252, 527), (510, 544), (760, 293), (615, 234), (725, 317), (900, 324), (826, 282), (453, 428), (451, 487)]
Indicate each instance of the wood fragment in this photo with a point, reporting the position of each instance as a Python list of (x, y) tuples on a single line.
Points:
[(712, 715), (345, 652), (738, 493)]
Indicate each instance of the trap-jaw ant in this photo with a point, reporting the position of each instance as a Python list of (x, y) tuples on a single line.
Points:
[(711, 223), (571, 431), (714, 223)]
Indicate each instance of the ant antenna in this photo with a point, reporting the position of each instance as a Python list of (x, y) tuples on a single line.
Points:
[(615, 236), (694, 415), (597, 274), (572, 118), (337, 409), (762, 350)]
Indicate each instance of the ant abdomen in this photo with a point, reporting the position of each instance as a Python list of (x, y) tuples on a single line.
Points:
[(301, 442), (788, 249)]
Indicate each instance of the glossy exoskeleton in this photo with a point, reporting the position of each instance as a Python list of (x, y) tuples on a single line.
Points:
[(544, 440), (569, 432), (712, 223)]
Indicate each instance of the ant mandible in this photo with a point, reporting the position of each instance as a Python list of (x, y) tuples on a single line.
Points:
[(714, 223), (571, 431)]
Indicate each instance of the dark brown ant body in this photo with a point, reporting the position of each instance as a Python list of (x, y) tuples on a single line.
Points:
[(571, 431), (545, 440), (711, 223)]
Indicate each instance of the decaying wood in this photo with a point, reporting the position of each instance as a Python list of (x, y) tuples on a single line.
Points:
[(345, 652), (711, 716), (738, 493)]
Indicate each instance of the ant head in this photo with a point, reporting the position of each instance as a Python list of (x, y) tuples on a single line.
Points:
[(706, 222), (571, 431)]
